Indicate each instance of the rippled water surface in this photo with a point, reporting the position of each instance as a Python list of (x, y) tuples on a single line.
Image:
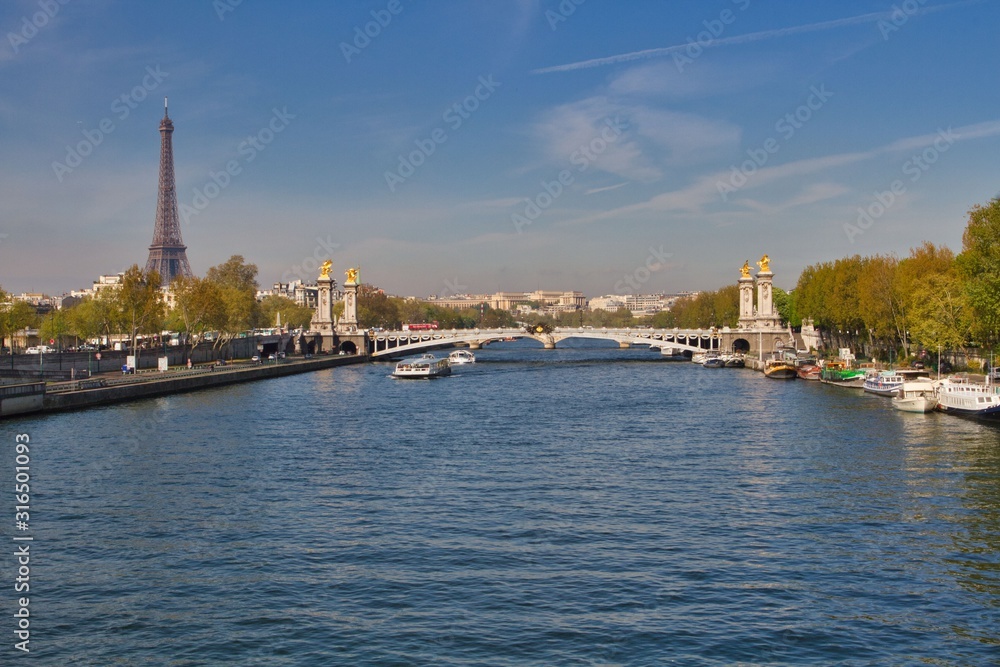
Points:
[(586, 506)]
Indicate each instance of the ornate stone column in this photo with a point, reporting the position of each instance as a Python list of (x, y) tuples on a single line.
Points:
[(767, 318), (746, 320), (348, 323), (322, 320)]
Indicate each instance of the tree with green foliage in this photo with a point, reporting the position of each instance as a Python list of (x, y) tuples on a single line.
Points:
[(14, 316), (85, 319), (235, 283), (941, 315), (784, 304), (199, 306), (497, 319), (878, 302), (828, 293), (293, 316), (703, 311), (140, 303), (810, 294), (979, 269), (912, 275), (106, 312), (599, 318), (55, 325), (376, 309)]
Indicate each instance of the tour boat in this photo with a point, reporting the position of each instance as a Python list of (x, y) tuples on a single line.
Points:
[(461, 357), (916, 396), (779, 369), (966, 399), (427, 366), (886, 383)]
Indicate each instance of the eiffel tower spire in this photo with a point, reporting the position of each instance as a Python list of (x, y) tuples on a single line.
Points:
[(167, 254)]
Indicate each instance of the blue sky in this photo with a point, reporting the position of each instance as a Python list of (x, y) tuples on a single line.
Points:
[(597, 146)]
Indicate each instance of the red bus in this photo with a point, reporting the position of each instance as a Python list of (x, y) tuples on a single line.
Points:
[(421, 326)]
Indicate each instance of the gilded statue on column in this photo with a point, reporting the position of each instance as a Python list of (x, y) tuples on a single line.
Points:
[(764, 263), (324, 269), (745, 269), (352, 276)]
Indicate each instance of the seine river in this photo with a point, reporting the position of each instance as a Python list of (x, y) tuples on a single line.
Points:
[(582, 506)]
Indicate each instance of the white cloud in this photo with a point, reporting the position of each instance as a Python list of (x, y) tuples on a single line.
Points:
[(811, 194), (705, 190), (651, 139), (664, 79)]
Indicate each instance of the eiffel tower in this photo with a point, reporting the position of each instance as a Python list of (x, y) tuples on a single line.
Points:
[(167, 254)]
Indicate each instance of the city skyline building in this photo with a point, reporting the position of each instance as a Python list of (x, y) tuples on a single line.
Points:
[(167, 253)]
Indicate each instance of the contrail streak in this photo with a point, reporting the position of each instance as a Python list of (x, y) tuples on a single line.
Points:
[(743, 39)]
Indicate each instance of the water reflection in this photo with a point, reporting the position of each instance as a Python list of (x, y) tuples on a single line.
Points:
[(570, 504)]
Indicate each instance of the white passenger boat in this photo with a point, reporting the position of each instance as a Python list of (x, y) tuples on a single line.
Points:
[(672, 354), (916, 396), (427, 366), (735, 360), (969, 399), (887, 383), (713, 360), (461, 357)]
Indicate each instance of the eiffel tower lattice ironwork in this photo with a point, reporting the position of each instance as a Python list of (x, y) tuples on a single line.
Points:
[(167, 254)]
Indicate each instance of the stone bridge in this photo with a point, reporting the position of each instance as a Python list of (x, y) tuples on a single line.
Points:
[(669, 341)]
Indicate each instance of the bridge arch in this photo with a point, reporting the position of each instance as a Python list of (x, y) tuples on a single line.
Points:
[(668, 341)]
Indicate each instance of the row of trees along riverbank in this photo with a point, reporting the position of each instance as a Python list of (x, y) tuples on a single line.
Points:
[(224, 302), (933, 299)]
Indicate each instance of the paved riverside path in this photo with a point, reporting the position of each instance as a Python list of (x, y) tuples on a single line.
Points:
[(105, 389)]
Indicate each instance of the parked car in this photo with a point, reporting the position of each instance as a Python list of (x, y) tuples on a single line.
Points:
[(34, 349)]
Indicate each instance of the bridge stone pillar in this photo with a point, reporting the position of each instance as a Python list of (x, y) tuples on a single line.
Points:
[(322, 320), (766, 317), (624, 345), (746, 320), (349, 321), (475, 345)]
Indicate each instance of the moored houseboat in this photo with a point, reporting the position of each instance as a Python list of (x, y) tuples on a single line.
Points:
[(969, 399)]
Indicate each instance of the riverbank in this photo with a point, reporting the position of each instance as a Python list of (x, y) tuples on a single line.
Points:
[(60, 396)]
